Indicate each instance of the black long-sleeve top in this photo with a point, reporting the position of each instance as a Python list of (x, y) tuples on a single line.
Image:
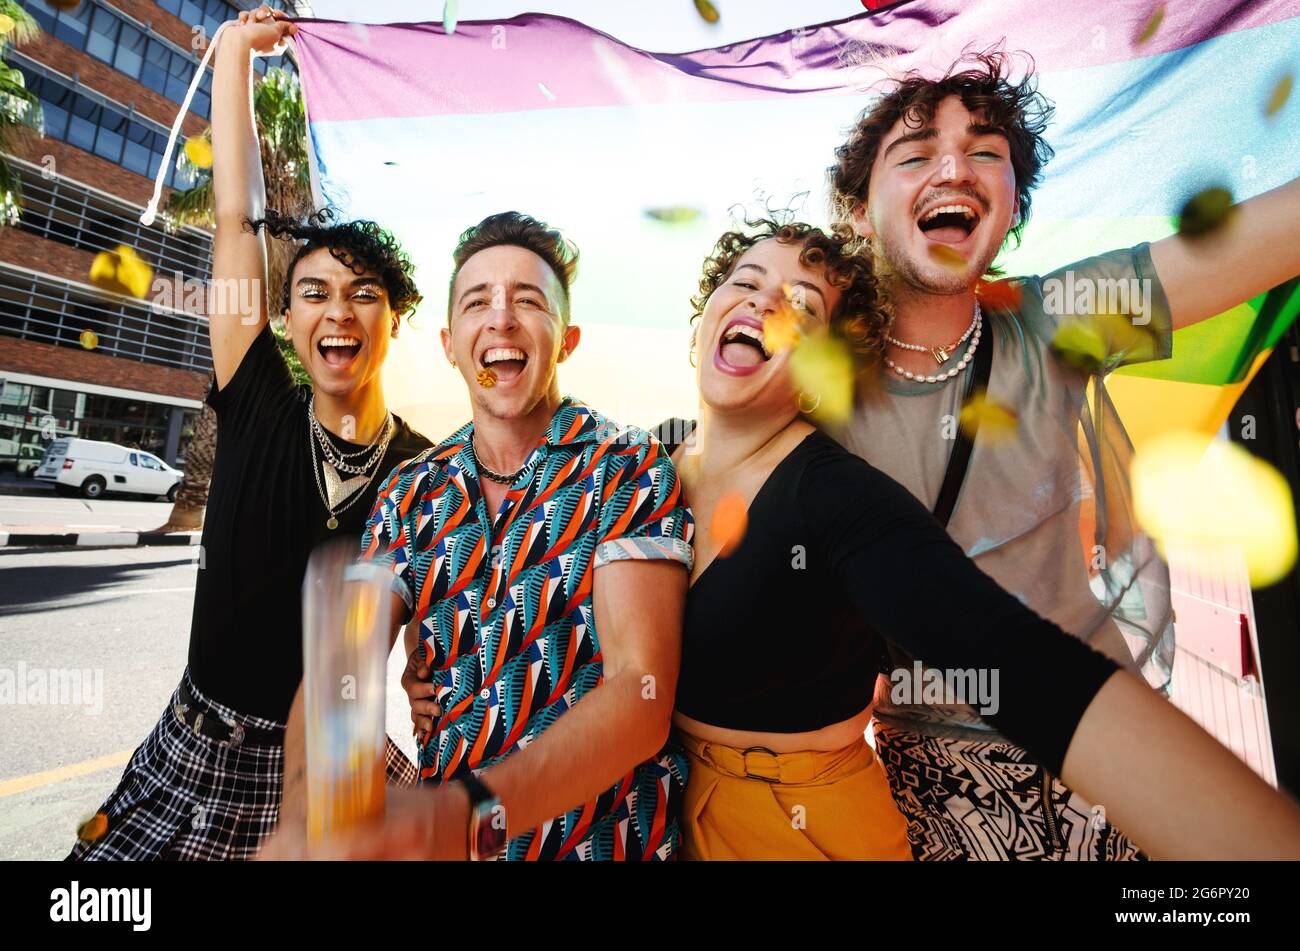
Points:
[(784, 634)]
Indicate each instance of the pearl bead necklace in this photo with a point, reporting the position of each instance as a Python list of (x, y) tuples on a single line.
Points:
[(943, 350), (977, 328)]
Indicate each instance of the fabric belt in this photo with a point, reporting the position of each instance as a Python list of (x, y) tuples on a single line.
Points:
[(758, 762), (204, 721)]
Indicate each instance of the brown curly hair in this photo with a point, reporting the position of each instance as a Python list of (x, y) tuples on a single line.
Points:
[(1017, 109), (860, 317)]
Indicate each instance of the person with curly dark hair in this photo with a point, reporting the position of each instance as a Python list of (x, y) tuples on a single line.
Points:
[(295, 466), (808, 560), (935, 178)]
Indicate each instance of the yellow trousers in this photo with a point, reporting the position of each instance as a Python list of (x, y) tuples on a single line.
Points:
[(809, 805)]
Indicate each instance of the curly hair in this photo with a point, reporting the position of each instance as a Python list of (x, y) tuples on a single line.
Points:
[(861, 316), (522, 231), (1015, 108), (360, 246)]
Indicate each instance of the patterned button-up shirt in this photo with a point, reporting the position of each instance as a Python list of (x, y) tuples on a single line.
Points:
[(505, 610)]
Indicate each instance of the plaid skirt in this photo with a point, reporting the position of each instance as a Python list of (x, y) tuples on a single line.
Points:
[(973, 800), (185, 796)]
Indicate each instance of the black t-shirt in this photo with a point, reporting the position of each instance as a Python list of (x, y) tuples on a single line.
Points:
[(783, 635), (264, 517)]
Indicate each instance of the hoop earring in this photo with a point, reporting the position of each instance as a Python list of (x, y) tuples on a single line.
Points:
[(691, 355), (809, 410)]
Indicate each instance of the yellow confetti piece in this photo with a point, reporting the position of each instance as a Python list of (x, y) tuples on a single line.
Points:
[(1205, 212), (89, 339), (1215, 502), (947, 258), (1281, 93), (199, 151), (995, 423), (6, 24), (487, 378), (1079, 342), (707, 10), (822, 367), (781, 330), (729, 521), (550, 96), (449, 11), (673, 215), (122, 272), (93, 829), (1151, 26)]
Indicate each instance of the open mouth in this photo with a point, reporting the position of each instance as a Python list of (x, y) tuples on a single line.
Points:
[(741, 344), (506, 362), (338, 351), (950, 224)]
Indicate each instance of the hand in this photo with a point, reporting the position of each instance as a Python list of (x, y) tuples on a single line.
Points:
[(418, 824), (415, 681), (262, 30)]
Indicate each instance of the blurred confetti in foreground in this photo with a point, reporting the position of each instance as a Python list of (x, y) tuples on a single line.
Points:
[(449, 14), (1151, 25), (1004, 295), (1095, 342), (93, 829), (947, 258), (995, 422), (198, 149), (729, 521), (673, 215), (822, 368), (1281, 93), (122, 272), (707, 10), (89, 339), (1216, 501), (1205, 212), (6, 24)]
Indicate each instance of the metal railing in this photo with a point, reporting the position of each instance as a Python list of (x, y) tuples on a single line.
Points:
[(51, 310), (70, 213)]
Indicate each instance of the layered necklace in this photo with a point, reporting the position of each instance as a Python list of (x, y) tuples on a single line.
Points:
[(941, 354), (361, 465)]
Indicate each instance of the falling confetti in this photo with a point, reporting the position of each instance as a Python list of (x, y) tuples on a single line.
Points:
[(390, 164), (1215, 501), (199, 151), (729, 521), (1097, 340), (1281, 93), (6, 24), (1152, 24), (1205, 212), (89, 339), (1003, 295), (781, 329), (673, 215), (93, 829), (707, 10), (449, 16), (822, 366), (546, 92), (122, 272), (487, 378), (947, 258), (995, 422)]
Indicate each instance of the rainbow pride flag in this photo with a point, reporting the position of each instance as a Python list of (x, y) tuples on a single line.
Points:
[(645, 158)]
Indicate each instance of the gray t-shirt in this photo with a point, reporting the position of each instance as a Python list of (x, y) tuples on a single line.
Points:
[(1046, 512)]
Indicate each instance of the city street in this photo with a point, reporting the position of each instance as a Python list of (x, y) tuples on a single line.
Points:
[(110, 628)]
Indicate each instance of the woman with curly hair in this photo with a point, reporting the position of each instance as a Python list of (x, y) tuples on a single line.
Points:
[(295, 466), (790, 606)]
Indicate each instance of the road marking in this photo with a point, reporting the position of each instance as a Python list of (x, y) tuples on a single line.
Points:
[(150, 590), (36, 780)]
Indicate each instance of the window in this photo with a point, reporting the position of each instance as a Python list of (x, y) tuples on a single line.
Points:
[(130, 51), (72, 26), (103, 33), (108, 144), (135, 156), (135, 461), (82, 123)]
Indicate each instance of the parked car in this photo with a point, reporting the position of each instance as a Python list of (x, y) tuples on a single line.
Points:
[(94, 468)]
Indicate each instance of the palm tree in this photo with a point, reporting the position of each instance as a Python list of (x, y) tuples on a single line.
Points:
[(19, 109), (281, 125)]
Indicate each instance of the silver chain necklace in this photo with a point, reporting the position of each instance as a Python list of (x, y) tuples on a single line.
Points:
[(339, 459), (334, 490), (497, 476)]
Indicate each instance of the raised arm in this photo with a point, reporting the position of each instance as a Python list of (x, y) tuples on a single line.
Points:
[(1255, 251), (1170, 786), (238, 193)]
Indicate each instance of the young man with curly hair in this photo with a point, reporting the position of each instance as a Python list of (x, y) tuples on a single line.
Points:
[(295, 466), (934, 177)]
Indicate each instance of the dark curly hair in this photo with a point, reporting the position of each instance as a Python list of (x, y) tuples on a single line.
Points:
[(860, 317), (523, 231), (1016, 109), (360, 246)]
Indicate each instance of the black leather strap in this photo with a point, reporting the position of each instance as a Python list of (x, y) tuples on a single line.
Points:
[(959, 461)]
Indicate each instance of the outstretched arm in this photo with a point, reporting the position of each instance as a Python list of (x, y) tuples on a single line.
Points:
[(238, 193), (1256, 250)]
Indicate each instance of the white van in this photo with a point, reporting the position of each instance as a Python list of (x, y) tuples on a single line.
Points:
[(98, 467)]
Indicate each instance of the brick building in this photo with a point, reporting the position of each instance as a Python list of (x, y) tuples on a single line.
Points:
[(110, 76)]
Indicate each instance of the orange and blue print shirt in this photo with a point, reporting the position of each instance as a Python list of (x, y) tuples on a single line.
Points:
[(505, 608)]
